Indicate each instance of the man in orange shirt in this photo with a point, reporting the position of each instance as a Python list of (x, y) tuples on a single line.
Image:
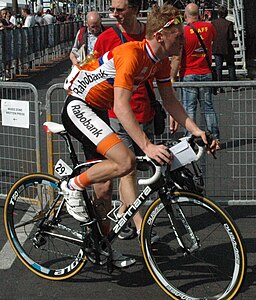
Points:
[(108, 82)]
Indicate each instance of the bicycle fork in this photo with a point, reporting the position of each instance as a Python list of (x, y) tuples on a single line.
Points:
[(186, 237), (184, 234)]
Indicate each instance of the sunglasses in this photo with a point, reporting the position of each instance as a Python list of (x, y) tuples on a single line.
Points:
[(118, 10), (174, 21)]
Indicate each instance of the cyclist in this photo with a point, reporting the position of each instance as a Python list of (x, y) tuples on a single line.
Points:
[(108, 82)]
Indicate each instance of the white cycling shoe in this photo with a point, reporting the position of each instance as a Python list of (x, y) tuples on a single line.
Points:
[(74, 202)]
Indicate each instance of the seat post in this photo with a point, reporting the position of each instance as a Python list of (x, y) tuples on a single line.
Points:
[(71, 150)]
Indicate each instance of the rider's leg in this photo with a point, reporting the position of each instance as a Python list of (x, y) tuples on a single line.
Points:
[(86, 125), (128, 191), (128, 188), (102, 199), (120, 161)]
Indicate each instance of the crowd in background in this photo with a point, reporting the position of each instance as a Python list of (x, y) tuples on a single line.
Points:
[(28, 19)]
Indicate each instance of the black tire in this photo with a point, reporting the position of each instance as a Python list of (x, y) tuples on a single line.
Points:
[(215, 270), (35, 241)]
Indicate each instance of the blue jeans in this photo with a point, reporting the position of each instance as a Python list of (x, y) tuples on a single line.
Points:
[(203, 95)]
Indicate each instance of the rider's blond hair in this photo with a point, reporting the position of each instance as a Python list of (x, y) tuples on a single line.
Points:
[(158, 16)]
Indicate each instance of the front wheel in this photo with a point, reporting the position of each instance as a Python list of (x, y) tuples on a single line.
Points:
[(43, 235), (199, 253)]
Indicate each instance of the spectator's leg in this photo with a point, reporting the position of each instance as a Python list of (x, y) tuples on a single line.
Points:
[(219, 64), (189, 99), (207, 109), (231, 68)]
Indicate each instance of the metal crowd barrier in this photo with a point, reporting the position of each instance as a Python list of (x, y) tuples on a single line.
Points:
[(26, 48), (231, 178), (20, 151)]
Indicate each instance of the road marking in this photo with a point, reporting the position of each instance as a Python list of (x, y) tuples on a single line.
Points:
[(7, 256)]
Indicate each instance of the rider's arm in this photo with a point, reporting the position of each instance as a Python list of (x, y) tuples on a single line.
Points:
[(127, 118), (175, 108)]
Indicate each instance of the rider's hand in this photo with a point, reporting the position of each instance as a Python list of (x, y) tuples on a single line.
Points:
[(207, 137), (159, 153)]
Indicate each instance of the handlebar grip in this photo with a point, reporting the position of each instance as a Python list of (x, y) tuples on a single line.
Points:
[(156, 175), (201, 145), (152, 179), (209, 138)]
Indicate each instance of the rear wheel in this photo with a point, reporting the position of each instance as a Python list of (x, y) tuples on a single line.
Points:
[(212, 263), (50, 247)]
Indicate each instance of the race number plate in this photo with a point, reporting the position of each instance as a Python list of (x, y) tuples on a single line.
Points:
[(62, 168)]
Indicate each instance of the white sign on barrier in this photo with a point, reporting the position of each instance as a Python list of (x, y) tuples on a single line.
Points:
[(15, 113)]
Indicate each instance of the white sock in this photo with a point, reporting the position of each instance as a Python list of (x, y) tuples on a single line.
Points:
[(73, 186)]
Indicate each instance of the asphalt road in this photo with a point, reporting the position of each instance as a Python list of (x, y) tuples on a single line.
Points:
[(17, 282)]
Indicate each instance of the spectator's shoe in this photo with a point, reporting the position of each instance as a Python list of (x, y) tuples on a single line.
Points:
[(121, 261), (74, 202), (127, 232), (154, 237)]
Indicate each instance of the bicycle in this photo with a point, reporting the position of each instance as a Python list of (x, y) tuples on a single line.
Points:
[(199, 253)]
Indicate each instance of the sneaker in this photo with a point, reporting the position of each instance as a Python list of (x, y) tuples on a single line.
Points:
[(127, 232), (74, 202), (121, 261)]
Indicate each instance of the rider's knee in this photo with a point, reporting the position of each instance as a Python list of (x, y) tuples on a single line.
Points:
[(126, 166)]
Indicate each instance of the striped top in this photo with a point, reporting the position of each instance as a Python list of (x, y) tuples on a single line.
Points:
[(126, 66)]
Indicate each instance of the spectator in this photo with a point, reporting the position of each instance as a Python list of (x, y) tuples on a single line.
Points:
[(86, 37), (4, 19), (12, 19), (70, 17), (125, 12), (48, 17), (19, 19), (39, 19), (4, 25), (207, 16), (222, 46), (61, 18), (194, 67), (29, 19)]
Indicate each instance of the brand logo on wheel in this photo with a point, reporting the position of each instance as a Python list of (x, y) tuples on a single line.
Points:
[(72, 266)]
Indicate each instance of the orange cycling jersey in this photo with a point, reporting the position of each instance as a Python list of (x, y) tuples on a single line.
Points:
[(126, 66)]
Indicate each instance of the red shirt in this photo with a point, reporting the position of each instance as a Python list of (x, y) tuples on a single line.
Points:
[(193, 56), (140, 102)]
